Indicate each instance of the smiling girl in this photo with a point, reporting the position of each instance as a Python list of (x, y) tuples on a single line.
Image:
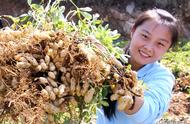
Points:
[(153, 33)]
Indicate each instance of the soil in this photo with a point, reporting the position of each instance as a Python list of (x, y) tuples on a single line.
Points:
[(179, 110)]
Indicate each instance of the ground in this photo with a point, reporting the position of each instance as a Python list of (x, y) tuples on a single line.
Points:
[(179, 110)]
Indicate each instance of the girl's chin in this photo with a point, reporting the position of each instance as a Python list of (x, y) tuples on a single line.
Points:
[(143, 58), (144, 61)]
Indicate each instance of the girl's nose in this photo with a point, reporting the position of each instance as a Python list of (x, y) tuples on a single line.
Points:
[(149, 48)]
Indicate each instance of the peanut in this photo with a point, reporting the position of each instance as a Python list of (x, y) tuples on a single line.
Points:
[(51, 66), (52, 82), (89, 95), (51, 75), (43, 80), (45, 94)]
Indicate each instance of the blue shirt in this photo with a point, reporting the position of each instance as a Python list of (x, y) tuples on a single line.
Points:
[(159, 81)]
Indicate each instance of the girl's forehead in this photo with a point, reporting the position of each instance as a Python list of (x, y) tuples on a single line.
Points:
[(153, 25)]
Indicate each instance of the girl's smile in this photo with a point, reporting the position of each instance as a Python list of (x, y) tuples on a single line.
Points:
[(144, 54)]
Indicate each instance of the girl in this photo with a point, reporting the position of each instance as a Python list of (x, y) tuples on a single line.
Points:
[(153, 33)]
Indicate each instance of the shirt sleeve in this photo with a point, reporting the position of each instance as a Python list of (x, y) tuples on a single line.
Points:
[(100, 117), (156, 98)]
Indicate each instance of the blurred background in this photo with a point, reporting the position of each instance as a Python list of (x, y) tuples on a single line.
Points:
[(120, 15)]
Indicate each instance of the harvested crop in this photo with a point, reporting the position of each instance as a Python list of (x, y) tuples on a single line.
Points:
[(50, 72), (52, 67)]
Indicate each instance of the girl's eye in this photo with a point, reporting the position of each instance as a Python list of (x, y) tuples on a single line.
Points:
[(161, 44), (144, 36)]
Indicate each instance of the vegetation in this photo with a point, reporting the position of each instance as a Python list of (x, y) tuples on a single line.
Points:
[(61, 66)]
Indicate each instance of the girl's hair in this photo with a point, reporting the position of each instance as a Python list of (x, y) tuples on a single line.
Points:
[(163, 17)]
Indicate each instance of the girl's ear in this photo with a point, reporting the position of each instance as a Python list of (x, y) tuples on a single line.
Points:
[(132, 31)]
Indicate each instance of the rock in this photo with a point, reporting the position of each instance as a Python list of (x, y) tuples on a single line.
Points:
[(127, 25), (130, 7), (118, 15)]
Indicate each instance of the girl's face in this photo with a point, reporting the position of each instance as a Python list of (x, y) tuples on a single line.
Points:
[(149, 42)]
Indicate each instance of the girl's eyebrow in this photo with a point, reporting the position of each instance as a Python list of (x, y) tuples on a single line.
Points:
[(144, 30), (162, 39)]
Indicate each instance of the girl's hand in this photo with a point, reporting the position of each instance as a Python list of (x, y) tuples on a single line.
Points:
[(138, 102)]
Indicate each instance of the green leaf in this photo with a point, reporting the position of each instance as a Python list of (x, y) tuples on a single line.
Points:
[(87, 9), (104, 103), (115, 37), (47, 8), (86, 15), (29, 2), (188, 90), (24, 17), (62, 8), (105, 91), (97, 22), (95, 16), (37, 7), (14, 19)]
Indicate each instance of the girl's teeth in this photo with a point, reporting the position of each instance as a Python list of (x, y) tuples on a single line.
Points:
[(144, 54)]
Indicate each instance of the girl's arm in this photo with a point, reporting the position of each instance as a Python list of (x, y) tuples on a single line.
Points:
[(156, 98)]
